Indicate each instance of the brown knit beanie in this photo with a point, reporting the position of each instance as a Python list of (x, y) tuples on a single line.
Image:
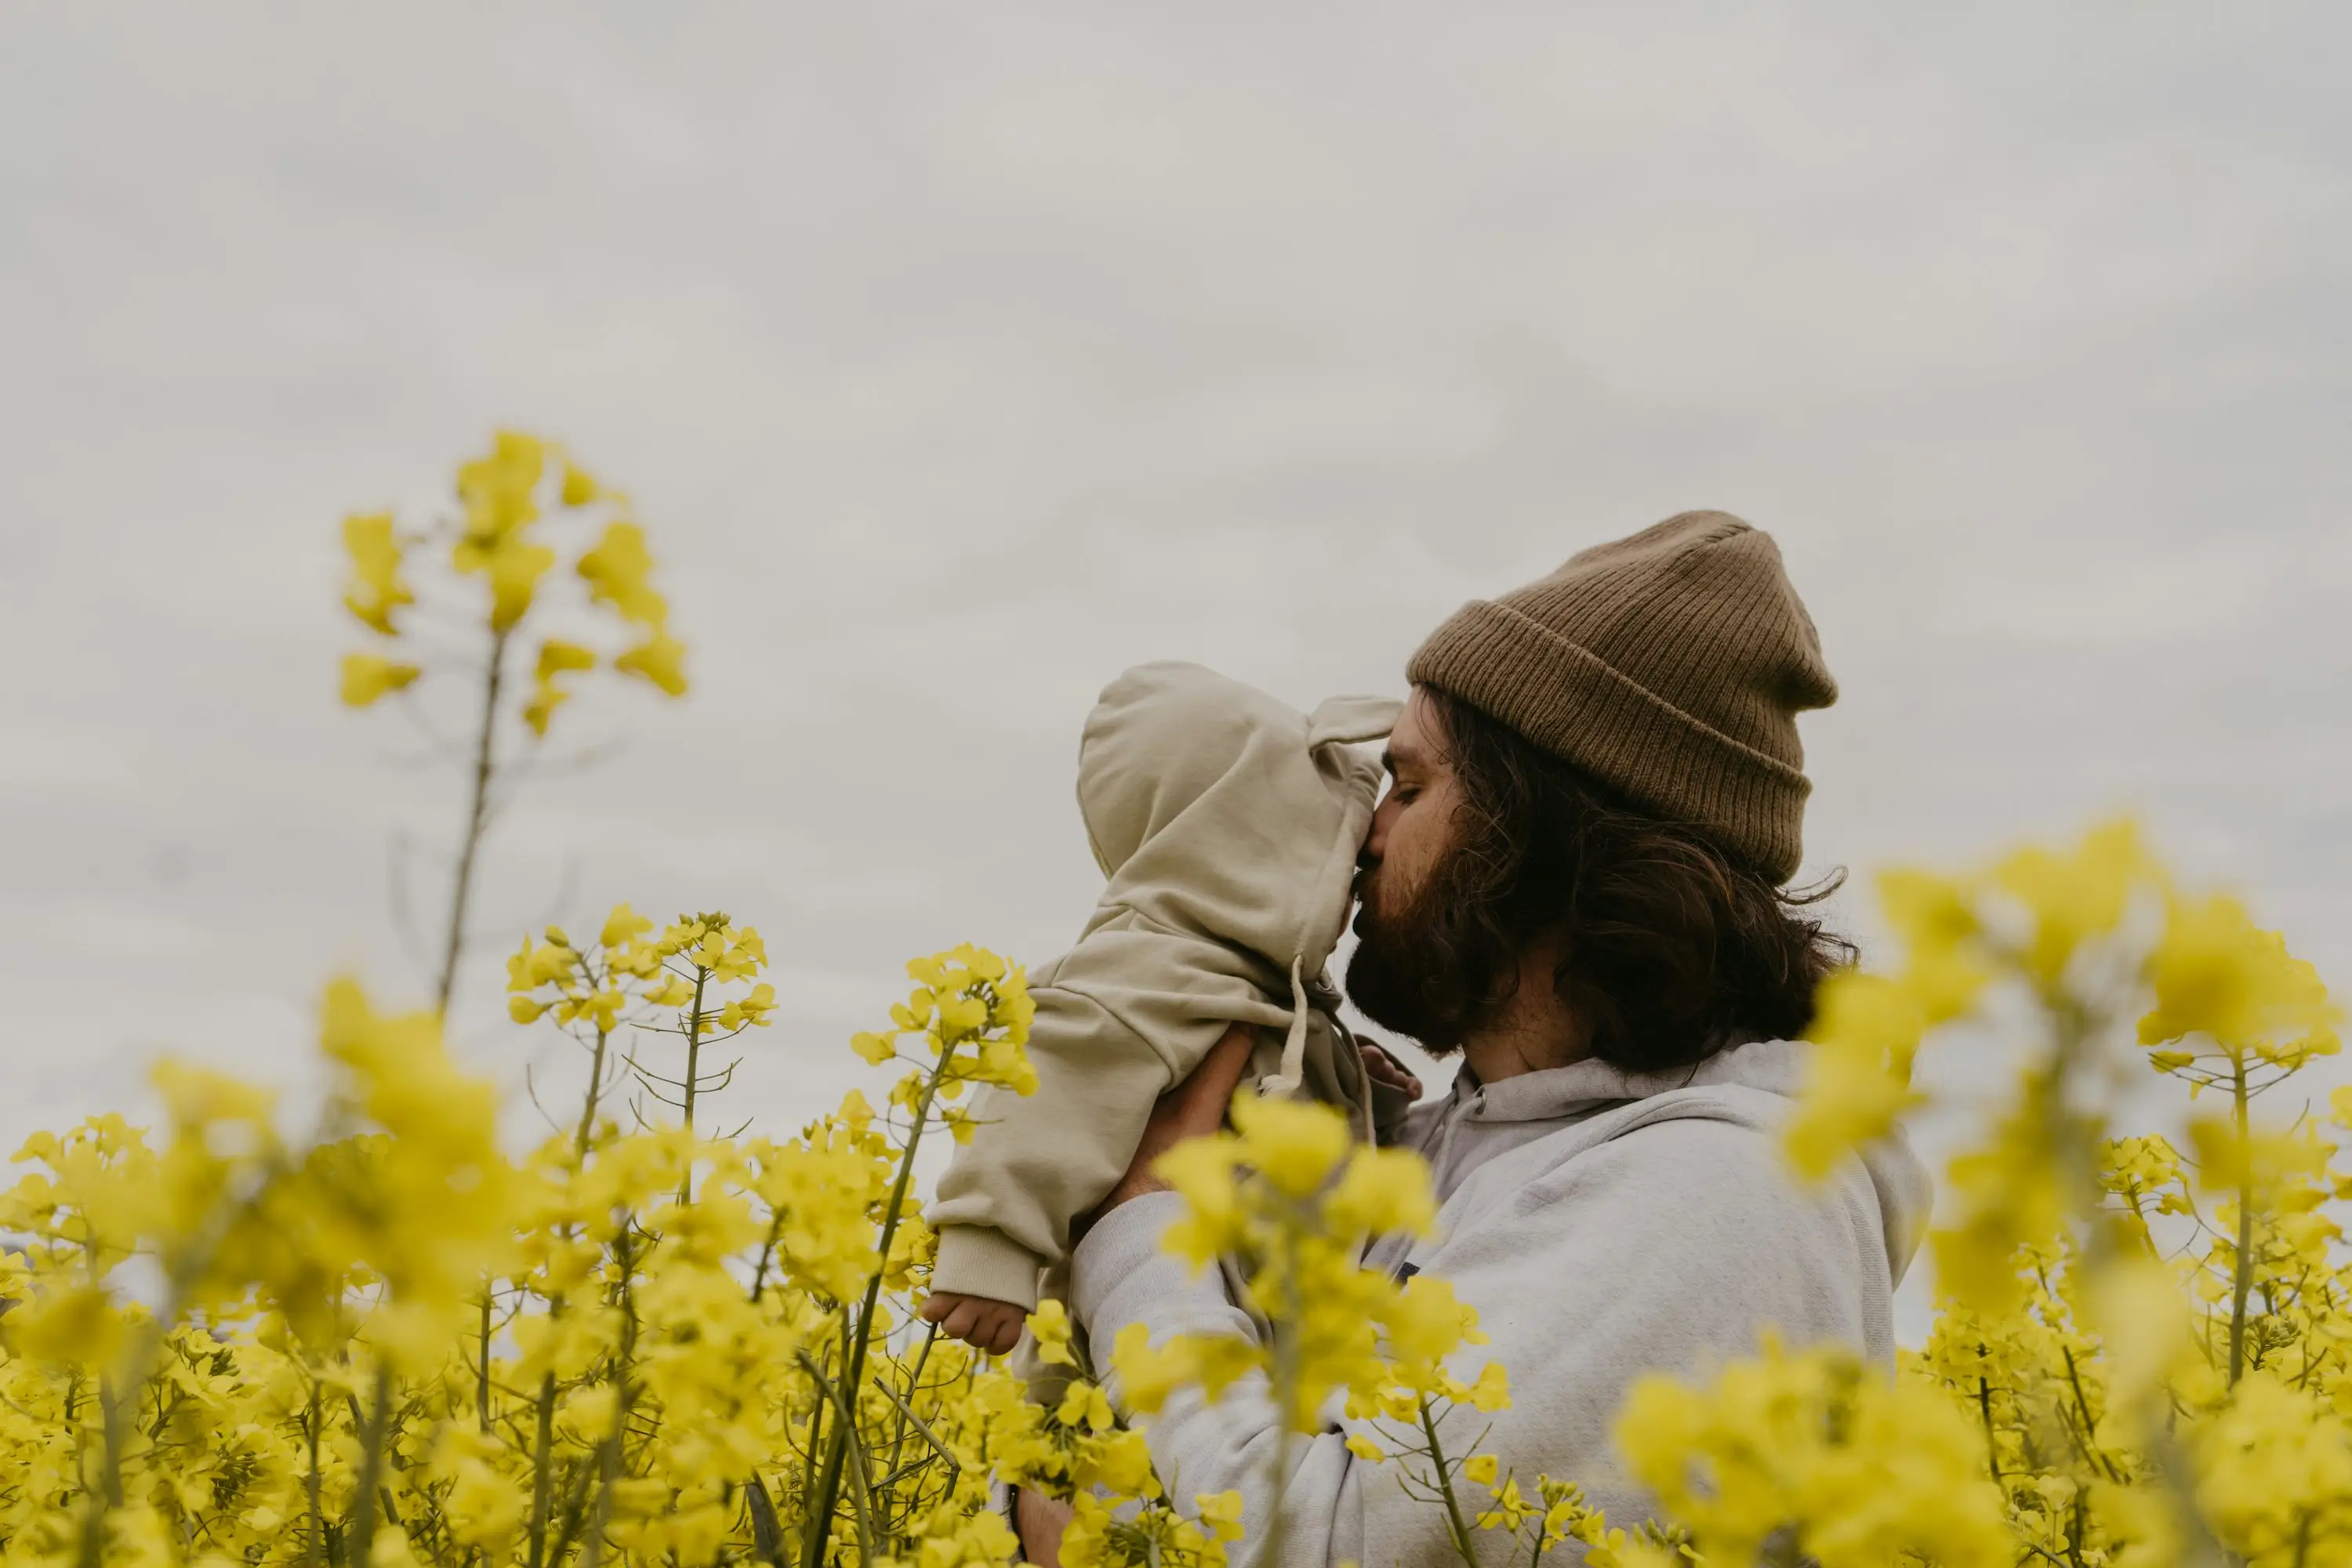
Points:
[(1670, 665)]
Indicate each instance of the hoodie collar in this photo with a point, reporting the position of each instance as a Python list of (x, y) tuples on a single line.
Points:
[(1579, 1088)]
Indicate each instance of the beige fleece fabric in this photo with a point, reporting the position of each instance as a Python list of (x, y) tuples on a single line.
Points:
[(1228, 824)]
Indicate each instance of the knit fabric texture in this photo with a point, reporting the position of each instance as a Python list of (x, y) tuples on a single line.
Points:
[(1670, 665)]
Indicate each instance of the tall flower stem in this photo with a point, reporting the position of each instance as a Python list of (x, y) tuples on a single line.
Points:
[(314, 1550), (453, 940), (482, 1366), (2241, 1263), (477, 820), (1455, 1525), (541, 1480), (610, 1458), (693, 1066), (860, 1328), (108, 1496), (1992, 1444), (362, 1537), (580, 1140), (861, 1498)]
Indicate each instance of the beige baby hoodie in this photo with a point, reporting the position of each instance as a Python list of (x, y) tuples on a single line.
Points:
[(1228, 825)]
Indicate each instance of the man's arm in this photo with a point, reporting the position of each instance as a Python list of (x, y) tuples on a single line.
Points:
[(1120, 1275)]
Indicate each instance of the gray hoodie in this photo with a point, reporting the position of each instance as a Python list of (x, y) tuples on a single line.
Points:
[(1604, 1224)]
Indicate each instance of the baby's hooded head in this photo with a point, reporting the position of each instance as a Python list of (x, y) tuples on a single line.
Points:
[(1251, 808), (1160, 737)]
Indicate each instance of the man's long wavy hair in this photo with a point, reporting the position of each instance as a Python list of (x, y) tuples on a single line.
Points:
[(1675, 948)]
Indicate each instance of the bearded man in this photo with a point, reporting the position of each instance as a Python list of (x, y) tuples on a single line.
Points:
[(1575, 884)]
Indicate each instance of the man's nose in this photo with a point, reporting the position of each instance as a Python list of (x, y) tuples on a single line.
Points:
[(1376, 836)]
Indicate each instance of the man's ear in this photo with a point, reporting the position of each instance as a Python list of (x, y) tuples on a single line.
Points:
[(1342, 720)]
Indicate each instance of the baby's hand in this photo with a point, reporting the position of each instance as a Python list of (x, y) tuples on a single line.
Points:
[(980, 1321), (1385, 1068)]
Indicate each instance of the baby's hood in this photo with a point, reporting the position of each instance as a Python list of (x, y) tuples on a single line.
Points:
[(1216, 810)]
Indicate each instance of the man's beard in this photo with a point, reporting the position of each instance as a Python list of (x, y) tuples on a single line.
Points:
[(1423, 969)]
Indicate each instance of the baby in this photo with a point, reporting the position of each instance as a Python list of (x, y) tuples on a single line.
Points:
[(1228, 825)]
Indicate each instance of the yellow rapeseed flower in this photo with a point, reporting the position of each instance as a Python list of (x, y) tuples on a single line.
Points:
[(367, 678), (2215, 973), (556, 659), (659, 661), (618, 573), (376, 588)]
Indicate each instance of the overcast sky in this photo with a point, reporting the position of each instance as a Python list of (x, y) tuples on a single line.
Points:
[(959, 356)]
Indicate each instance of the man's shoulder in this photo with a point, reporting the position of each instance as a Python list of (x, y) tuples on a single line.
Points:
[(1716, 1149), (1667, 1202), (1715, 1145), (1713, 1133)]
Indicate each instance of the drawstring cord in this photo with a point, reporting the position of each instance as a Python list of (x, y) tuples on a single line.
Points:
[(1447, 1125), (1294, 1045)]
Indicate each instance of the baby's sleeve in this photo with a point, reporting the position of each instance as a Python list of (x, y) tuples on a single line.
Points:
[(1035, 1162)]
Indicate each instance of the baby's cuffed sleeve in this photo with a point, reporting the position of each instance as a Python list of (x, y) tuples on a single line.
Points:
[(981, 1260)]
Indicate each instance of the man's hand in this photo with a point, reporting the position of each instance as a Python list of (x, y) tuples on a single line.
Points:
[(1385, 1068), (1194, 1108), (1039, 1521), (980, 1321)]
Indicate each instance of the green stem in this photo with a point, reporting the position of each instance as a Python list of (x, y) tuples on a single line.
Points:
[(573, 1513), (693, 1059), (906, 1409), (811, 1459), (1992, 1444), (599, 1515), (609, 1455), (861, 1498), (767, 1535), (316, 1552), (110, 1493), (859, 1331), (477, 818), (362, 1538), (595, 1087), (482, 1367), (767, 1255), (1456, 1526), (2090, 1439), (922, 1428), (542, 1441), (2242, 1266)]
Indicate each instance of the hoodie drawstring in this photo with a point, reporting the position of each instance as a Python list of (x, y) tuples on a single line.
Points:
[(1294, 1045), (1449, 1122)]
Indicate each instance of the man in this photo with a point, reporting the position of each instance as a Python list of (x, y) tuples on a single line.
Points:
[(1575, 883)]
